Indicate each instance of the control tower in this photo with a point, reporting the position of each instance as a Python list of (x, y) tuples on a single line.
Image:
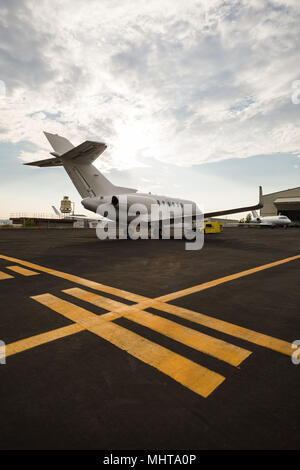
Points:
[(65, 205)]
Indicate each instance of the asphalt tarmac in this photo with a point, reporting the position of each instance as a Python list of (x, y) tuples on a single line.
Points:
[(141, 344)]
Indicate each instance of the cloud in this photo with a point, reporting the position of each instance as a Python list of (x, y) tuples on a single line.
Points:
[(186, 84), (22, 62)]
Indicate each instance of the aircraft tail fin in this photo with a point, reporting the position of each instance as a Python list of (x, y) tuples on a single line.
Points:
[(56, 211), (255, 214), (59, 144), (77, 161)]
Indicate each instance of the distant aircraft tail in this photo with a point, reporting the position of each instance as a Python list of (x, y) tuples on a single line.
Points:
[(255, 215), (77, 162), (56, 211)]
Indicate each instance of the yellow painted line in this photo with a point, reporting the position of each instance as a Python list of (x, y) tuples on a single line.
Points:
[(222, 280), (159, 303), (5, 276), (260, 339), (139, 298), (23, 271), (37, 340), (77, 314), (79, 280), (222, 350), (194, 339), (193, 376), (197, 378), (99, 300), (165, 328)]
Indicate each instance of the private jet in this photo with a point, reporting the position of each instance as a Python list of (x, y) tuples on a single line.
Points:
[(98, 192), (269, 221)]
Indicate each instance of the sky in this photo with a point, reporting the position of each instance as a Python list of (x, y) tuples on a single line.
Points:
[(195, 99)]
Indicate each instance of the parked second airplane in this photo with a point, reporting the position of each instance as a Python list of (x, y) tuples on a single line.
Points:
[(269, 221)]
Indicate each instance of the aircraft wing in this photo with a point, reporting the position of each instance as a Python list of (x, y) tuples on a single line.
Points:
[(77, 216), (88, 219), (207, 215), (256, 224), (259, 224), (238, 209)]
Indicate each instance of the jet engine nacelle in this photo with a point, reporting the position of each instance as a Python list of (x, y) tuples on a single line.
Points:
[(129, 204), (132, 205), (124, 200)]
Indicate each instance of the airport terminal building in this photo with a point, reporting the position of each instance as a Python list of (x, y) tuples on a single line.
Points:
[(285, 202)]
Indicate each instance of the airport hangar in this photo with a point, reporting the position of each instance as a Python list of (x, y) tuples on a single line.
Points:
[(286, 202)]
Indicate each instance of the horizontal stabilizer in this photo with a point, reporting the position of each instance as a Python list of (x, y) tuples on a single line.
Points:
[(47, 162), (86, 152)]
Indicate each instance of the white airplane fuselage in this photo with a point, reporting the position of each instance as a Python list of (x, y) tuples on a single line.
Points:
[(163, 205), (100, 195), (273, 221)]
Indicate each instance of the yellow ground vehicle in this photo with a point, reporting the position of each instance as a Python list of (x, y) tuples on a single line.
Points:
[(213, 227)]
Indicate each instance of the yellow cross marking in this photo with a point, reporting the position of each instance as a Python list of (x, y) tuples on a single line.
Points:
[(194, 376), (199, 379), (192, 338)]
